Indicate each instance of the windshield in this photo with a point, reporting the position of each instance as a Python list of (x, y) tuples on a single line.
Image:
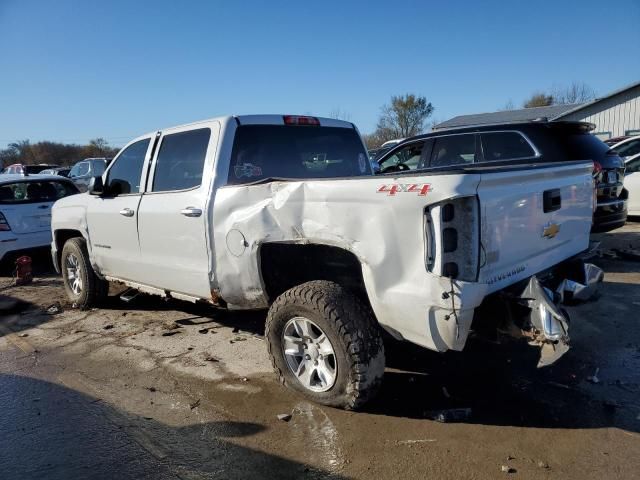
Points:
[(265, 151)]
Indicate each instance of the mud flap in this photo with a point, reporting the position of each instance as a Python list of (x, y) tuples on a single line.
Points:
[(547, 325)]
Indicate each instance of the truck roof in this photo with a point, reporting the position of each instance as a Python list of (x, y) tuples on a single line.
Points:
[(260, 119)]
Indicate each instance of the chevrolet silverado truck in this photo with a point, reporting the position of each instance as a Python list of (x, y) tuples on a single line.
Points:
[(285, 213)]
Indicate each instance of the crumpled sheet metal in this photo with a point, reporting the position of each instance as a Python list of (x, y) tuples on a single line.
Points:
[(583, 289), (353, 215), (550, 323)]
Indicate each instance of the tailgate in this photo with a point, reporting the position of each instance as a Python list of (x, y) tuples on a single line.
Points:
[(532, 219)]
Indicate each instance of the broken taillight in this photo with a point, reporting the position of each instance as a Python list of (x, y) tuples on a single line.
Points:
[(301, 120), (4, 225), (597, 168), (452, 231)]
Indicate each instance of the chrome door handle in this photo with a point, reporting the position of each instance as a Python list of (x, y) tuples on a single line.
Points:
[(191, 212), (127, 212)]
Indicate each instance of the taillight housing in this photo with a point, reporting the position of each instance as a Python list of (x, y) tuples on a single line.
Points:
[(597, 168), (4, 225), (301, 120), (452, 232)]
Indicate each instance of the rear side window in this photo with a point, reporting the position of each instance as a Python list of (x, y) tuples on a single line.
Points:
[(454, 150), (35, 192), (124, 176), (583, 146), (629, 149), (279, 151), (498, 146), (181, 160)]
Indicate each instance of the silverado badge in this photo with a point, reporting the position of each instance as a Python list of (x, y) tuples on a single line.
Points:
[(550, 230)]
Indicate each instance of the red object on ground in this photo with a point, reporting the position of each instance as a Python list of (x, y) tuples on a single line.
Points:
[(23, 270)]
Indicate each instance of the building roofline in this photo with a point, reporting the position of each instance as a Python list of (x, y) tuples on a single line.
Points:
[(593, 102)]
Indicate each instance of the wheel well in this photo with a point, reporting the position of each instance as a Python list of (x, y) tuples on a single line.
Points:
[(285, 265), (61, 237)]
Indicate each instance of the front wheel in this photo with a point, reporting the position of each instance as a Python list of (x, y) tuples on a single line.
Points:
[(83, 287), (324, 343)]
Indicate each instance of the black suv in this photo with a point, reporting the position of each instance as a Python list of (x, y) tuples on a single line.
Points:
[(522, 143)]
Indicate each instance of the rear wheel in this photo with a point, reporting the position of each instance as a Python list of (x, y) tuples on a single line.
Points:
[(83, 287), (325, 344)]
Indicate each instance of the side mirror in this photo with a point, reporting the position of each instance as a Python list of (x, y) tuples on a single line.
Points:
[(375, 167), (96, 187)]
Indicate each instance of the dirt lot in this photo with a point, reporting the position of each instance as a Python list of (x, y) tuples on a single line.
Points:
[(171, 390)]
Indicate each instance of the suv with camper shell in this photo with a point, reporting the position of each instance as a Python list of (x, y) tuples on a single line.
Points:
[(284, 212)]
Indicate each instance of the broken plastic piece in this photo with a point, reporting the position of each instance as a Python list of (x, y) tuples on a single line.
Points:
[(581, 289)]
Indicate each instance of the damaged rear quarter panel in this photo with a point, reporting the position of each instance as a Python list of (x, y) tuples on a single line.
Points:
[(385, 232)]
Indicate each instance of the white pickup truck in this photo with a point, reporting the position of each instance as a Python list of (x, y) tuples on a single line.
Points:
[(284, 212)]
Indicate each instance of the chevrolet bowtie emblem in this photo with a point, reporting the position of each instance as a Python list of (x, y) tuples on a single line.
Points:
[(551, 230)]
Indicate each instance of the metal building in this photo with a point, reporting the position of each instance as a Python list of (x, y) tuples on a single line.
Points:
[(614, 115)]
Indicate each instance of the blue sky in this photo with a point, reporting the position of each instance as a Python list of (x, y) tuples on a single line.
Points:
[(75, 70)]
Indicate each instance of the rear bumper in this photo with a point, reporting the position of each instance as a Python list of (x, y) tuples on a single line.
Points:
[(609, 215)]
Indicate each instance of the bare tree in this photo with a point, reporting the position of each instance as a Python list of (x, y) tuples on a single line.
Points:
[(538, 99), (340, 114), (577, 92), (509, 105)]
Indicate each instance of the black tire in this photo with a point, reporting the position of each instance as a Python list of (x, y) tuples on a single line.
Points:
[(350, 327), (94, 290)]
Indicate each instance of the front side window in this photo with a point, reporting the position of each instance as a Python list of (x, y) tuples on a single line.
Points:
[(454, 150), (407, 158), (282, 151), (35, 192), (498, 146), (124, 176), (180, 160)]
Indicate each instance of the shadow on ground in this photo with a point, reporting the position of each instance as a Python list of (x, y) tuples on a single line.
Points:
[(53, 432)]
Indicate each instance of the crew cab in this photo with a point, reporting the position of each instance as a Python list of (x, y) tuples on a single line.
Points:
[(283, 212)]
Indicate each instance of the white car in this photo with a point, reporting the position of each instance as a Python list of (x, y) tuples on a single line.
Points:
[(627, 148), (25, 209), (632, 184)]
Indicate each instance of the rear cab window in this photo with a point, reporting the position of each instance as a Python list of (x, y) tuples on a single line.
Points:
[(296, 152), (35, 192)]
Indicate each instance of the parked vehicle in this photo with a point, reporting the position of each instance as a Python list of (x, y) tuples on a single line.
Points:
[(62, 171), (628, 147), (25, 209), (83, 171), (533, 142), (20, 169), (612, 141), (267, 211), (632, 183)]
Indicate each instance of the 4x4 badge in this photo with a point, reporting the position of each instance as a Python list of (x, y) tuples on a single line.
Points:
[(551, 230)]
